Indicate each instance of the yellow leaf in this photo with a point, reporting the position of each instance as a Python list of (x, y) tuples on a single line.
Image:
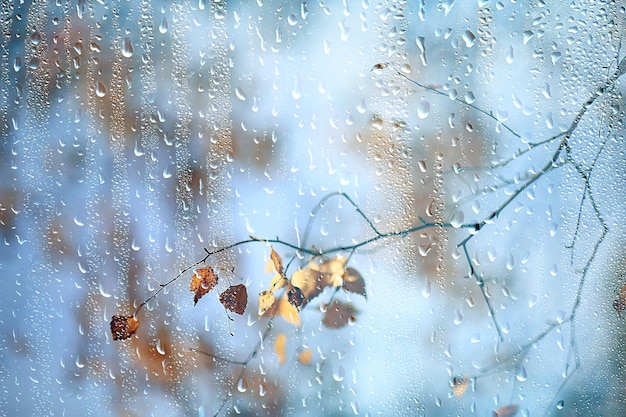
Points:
[(266, 301), (280, 346), (333, 270), (288, 311), (278, 282), (309, 281), (459, 385), (305, 357)]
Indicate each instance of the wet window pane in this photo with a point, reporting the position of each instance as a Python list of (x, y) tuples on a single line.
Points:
[(312, 208)]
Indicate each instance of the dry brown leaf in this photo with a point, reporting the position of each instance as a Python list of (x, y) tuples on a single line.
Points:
[(277, 261), (280, 346), (123, 327), (202, 281), (305, 357), (459, 385), (353, 282), (339, 314), (235, 298), (266, 301), (295, 297)]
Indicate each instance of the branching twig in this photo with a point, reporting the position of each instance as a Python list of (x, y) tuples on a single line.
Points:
[(561, 155)]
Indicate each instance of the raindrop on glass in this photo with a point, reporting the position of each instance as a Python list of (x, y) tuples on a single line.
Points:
[(127, 48), (101, 90), (423, 109), (469, 38), (457, 219)]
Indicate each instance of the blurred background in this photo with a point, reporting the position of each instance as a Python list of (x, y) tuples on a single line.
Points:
[(135, 134)]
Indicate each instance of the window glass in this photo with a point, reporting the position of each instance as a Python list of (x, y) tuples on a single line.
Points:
[(312, 208)]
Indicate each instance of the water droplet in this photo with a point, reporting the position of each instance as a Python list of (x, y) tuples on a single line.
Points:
[(101, 90), (555, 56), (34, 63), (167, 172), (469, 38), (103, 291), (361, 107), (164, 26), (427, 289), (35, 38), (458, 319), (241, 95), (423, 109), (521, 374), (560, 405), (510, 262), (242, 385), (457, 219), (422, 165), (339, 373), (159, 347), (127, 48), (17, 64), (510, 55), (528, 35), (80, 362), (292, 19), (424, 249)]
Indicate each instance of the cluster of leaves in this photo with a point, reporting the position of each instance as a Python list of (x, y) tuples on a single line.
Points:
[(306, 284), (294, 293)]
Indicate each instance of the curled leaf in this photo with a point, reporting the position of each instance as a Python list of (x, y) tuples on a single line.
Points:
[(280, 346), (123, 327), (295, 297), (266, 301), (277, 261), (202, 281), (235, 298), (339, 314), (353, 282)]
